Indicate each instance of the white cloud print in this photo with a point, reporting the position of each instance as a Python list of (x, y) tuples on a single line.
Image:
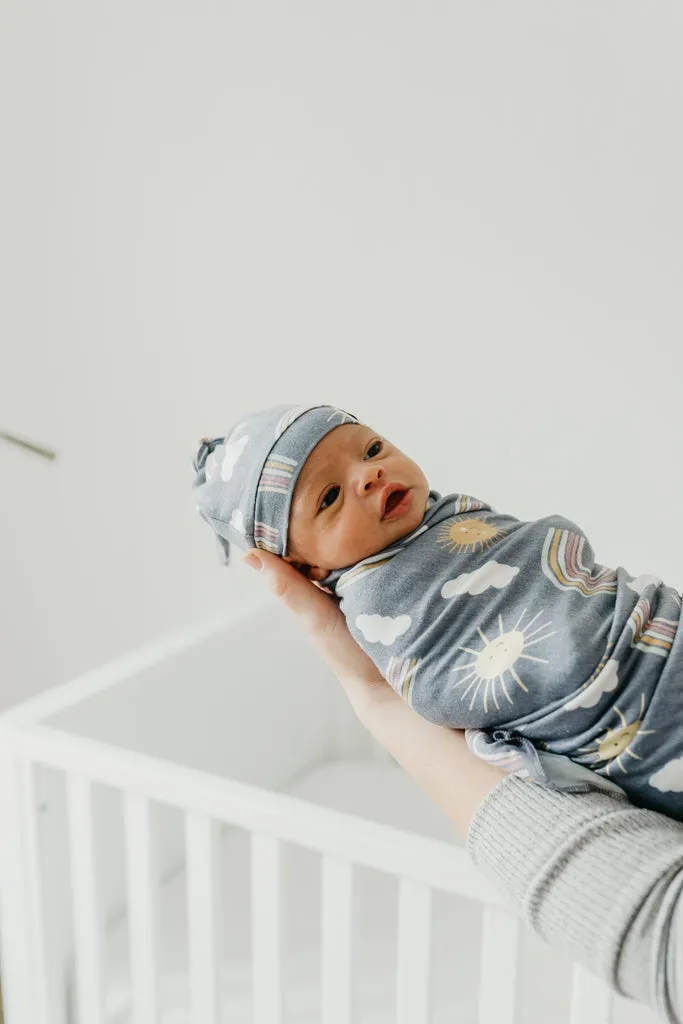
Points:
[(237, 520), (604, 682), (382, 629), (493, 574), (236, 430), (231, 454), (210, 466), (227, 455), (669, 779)]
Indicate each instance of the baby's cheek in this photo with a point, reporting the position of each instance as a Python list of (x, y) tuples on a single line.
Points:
[(348, 543)]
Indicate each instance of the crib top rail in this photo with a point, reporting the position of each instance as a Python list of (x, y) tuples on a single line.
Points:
[(333, 833)]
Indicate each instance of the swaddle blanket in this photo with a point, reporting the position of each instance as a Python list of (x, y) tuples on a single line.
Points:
[(511, 630), (553, 663)]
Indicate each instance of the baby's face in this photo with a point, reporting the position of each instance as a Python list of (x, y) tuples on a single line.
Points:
[(356, 495)]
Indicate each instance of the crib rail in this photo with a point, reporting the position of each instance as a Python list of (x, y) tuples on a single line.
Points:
[(420, 865)]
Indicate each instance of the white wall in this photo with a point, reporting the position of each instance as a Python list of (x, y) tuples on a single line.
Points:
[(461, 221)]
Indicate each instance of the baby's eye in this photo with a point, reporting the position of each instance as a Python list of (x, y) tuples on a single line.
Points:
[(374, 449), (330, 497)]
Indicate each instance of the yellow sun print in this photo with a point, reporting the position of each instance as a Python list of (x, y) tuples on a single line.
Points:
[(467, 535), (617, 742), (487, 670)]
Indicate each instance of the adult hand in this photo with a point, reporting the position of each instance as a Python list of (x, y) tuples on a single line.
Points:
[(324, 623), (436, 757)]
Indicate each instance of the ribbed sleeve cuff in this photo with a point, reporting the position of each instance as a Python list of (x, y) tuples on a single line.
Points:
[(578, 867)]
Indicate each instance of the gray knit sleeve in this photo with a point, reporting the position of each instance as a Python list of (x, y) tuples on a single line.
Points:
[(597, 878)]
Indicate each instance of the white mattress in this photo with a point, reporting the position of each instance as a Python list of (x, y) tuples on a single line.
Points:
[(381, 792)]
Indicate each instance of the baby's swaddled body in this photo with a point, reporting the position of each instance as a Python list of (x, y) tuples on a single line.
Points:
[(554, 664), (481, 621)]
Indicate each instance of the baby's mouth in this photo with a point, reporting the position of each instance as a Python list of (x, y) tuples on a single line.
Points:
[(392, 498)]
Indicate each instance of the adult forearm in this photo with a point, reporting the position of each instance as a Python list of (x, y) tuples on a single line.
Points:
[(437, 758), (594, 876), (597, 878)]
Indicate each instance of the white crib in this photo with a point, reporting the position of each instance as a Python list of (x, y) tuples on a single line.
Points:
[(202, 834)]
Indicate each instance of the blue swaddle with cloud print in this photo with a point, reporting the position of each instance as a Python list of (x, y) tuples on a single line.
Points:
[(511, 630), (561, 670)]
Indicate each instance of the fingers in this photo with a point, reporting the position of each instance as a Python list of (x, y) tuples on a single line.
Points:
[(317, 611), (321, 617)]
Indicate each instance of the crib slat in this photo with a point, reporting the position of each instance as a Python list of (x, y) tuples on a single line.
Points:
[(43, 982), (592, 999), (202, 906), (498, 997), (142, 910), (414, 934), (16, 919), (336, 940), (266, 923), (88, 926)]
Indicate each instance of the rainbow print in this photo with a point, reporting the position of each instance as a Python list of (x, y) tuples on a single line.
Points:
[(360, 572), (289, 417), (653, 636), (344, 417), (277, 474), (603, 661), (562, 564), (465, 503), (367, 566), (267, 537), (401, 675), (286, 421)]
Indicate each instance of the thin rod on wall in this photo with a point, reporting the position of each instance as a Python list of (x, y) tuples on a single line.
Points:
[(31, 446)]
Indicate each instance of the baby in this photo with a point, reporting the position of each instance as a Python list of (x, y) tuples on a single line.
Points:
[(553, 663)]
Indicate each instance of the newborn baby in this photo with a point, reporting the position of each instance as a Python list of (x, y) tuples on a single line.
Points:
[(509, 629)]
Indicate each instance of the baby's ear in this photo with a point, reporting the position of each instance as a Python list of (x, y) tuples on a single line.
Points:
[(316, 573), (299, 566), (311, 572)]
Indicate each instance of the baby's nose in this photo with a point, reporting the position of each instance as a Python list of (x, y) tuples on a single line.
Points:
[(369, 477)]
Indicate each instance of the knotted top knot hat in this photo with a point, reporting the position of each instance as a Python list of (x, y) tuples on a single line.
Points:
[(244, 482)]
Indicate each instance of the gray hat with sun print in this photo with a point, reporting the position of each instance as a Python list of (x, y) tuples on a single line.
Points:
[(245, 481)]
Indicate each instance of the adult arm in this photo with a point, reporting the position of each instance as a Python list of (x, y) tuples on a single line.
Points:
[(435, 756), (594, 876)]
